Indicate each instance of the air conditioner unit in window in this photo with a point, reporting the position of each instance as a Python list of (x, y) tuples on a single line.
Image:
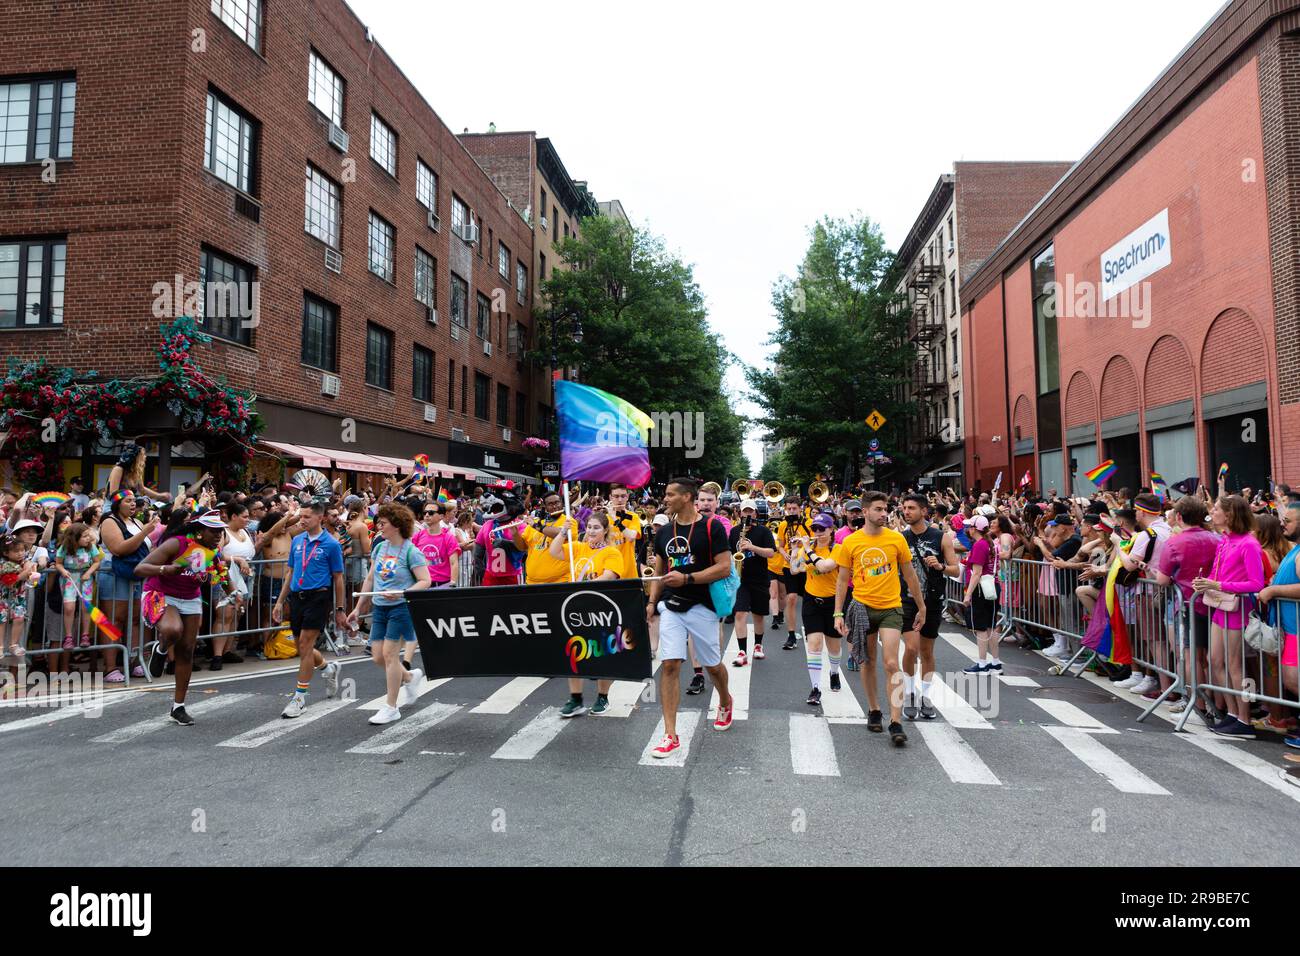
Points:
[(544, 224), (333, 260), (329, 385), (458, 434), (470, 233), (487, 347), (430, 412), (338, 139), (434, 221), (431, 315), (455, 329), (505, 434)]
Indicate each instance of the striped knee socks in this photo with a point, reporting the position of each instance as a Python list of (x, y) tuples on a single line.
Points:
[(815, 668)]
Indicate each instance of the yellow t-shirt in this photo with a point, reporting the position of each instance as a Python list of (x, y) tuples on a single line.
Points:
[(819, 584), (539, 566), (874, 560), (627, 546), (776, 563), (589, 564), (797, 527)]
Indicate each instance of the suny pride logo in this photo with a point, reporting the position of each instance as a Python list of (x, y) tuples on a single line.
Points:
[(595, 627)]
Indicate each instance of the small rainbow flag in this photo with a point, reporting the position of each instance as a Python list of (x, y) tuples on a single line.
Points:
[(54, 498), (1158, 485), (195, 557), (421, 464), (1223, 472), (101, 620), (1103, 471), (602, 437), (442, 496)]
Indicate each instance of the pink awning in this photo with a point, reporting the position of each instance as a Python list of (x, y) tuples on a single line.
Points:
[(355, 461), (311, 457)]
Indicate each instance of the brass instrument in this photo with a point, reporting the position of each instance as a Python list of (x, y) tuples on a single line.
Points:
[(739, 557), (712, 487), (740, 487), (819, 492), (774, 492), (797, 562)]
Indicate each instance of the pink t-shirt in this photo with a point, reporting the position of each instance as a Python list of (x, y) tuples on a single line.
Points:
[(843, 533), (438, 549)]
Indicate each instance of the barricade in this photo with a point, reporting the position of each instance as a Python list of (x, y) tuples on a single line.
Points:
[(1254, 662)]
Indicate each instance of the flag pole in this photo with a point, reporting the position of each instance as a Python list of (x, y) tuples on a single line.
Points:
[(568, 516)]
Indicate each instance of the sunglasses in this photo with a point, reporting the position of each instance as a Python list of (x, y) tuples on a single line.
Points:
[(429, 514)]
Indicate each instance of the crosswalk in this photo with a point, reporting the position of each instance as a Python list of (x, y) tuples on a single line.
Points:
[(827, 745)]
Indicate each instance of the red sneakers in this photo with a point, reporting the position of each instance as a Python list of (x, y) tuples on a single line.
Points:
[(740, 660), (758, 652), (666, 746), (724, 717)]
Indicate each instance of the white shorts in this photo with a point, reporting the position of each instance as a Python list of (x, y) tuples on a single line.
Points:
[(700, 623)]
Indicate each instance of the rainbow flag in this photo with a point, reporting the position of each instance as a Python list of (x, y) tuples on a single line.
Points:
[(1158, 485), (54, 498), (1223, 473), (602, 437), (195, 557), (421, 464), (1103, 471), (101, 620), (443, 498), (1107, 630)]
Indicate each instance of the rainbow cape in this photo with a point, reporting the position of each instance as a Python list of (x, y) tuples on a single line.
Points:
[(101, 620), (602, 437), (1107, 630), (1103, 471)]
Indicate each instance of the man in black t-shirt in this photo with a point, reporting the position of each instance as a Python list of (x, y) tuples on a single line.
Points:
[(691, 552), (752, 598), (933, 556)]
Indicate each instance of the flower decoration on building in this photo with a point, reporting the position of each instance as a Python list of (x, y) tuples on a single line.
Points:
[(42, 405), (536, 444)]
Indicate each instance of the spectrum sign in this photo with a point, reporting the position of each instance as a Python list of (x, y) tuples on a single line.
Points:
[(1142, 253)]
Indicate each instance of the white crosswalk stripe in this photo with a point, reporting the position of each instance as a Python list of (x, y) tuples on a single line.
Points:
[(89, 709), (1229, 752), (624, 694), (426, 686), (536, 734), (149, 725), (957, 758), (812, 751), (842, 702), (953, 706), (405, 730), (737, 677), (1071, 716), (1121, 774), (687, 721), (280, 727), (509, 696)]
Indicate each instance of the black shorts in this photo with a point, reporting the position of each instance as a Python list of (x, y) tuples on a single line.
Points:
[(777, 576), (794, 583), (933, 613), (753, 598), (819, 616), (309, 610), (983, 612)]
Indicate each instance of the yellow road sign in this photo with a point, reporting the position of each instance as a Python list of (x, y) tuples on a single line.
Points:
[(875, 420)]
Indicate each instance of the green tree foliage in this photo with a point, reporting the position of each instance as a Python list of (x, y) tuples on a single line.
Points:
[(840, 353), (645, 338)]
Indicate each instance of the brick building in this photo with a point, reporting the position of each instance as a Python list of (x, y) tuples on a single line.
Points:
[(277, 147), (1148, 308)]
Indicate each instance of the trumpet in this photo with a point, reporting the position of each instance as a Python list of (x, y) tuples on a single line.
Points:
[(774, 492), (819, 492)]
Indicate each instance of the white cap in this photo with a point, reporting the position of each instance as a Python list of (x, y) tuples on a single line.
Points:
[(660, 520), (26, 523), (748, 503)]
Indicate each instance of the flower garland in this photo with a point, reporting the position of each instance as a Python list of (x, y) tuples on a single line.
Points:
[(35, 395)]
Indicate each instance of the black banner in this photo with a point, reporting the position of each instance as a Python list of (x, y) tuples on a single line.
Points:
[(590, 629)]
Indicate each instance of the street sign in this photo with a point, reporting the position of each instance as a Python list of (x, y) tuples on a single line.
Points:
[(874, 444), (924, 480), (550, 469), (947, 474), (875, 420)]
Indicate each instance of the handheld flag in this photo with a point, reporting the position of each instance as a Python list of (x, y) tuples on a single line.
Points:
[(1158, 485), (1025, 480), (602, 437), (997, 484), (1102, 472), (421, 463), (54, 498), (442, 496), (1223, 473), (101, 620), (1187, 486)]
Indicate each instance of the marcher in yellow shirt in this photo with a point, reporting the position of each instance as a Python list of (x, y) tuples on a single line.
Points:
[(625, 529), (594, 559), (820, 554), (540, 567)]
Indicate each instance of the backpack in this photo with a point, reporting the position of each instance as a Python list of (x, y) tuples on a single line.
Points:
[(723, 591)]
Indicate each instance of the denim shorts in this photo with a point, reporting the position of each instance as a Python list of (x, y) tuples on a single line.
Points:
[(113, 588), (392, 622), (186, 606), (698, 623)]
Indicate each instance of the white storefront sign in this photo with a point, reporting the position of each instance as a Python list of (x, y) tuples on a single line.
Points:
[(1142, 253)]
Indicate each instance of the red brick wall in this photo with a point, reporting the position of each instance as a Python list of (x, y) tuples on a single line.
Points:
[(1080, 402), (1020, 347), (1169, 376), (509, 159), (991, 199), (985, 395)]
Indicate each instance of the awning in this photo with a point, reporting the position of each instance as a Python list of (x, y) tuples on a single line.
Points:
[(954, 467), (514, 476), (311, 457), (353, 461)]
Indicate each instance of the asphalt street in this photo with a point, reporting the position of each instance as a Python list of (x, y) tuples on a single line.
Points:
[(1025, 769)]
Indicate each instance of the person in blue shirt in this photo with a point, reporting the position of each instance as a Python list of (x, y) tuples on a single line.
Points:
[(315, 573), (1285, 590)]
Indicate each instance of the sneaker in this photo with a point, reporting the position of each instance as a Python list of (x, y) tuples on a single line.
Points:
[(295, 707), (666, 746), (600, 707), (789, 644), (411, 689), (977, 667), (909, 707), (1293, 741), (850, 664), (897, 736), (835, 682), (573, 708), (1210, 716), (157, 659), (216, 664), (85, 640), (1121, 674), (1146, 684), (758, 652), (740, 660), (331, 675), (815, 697), (1129, 682), (875, 721), (179, 716), (386, 715), (230, 657), (69, 642), (1230, 726), (927, 709), (778, 622), (1154, 692), (724, 717), (697, 684), (995, 665)]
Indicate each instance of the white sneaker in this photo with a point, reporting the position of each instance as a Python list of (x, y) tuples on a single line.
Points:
[(1128, 683), (386, 715), (1147, 683), (295, 707), (331, 675), (411, 689), (1061, 651)]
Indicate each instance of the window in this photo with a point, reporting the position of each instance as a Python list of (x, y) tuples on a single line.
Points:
[(566, 230), (482, 394), (952, 294), (555, 224), (512, 339), (459, 301), (464, 387), (426, 282), (227, 301), (950, 235), (323, 207), (379, 356), (541, 209), (956, 364), (942, 368), (1048, 360), (422, 374), (320, 323), (36, 120), (325, 89), (541, 266), (483, 320), (382, 237), (503, 260), (426, 186), (451, 385), (521, 281), (229, 143), (938, 312), (503, 406), (242, 16), (479, 231), (956, 416), (459, 214), (521, 412), (383, 144), (31, 283)]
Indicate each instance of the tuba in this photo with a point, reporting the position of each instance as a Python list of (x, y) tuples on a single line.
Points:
[(774, 492), (819, 492), (740, 487)]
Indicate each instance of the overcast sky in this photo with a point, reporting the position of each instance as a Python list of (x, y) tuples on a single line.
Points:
[(730, 128)]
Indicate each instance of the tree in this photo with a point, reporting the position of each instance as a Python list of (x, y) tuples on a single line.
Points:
[(645, 338), (841, 353)]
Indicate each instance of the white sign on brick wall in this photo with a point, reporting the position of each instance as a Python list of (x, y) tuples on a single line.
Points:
[(1142, 253)]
